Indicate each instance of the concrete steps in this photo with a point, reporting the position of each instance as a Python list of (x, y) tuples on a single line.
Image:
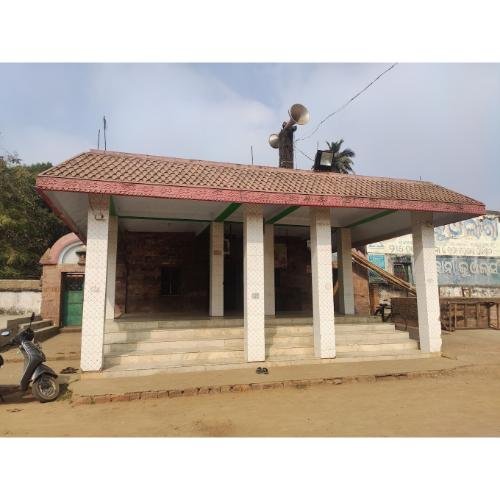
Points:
[(147, 368), (122, 325), (177, 334), (37, 325), (43, 328), (190, 345), (167, 359)]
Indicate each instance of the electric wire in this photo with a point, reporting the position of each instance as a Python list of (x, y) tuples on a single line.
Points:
[(346, 104)]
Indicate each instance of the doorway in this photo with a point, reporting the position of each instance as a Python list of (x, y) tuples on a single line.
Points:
[(72, 299)]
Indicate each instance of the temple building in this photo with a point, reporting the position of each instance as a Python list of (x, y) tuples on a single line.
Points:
[(194, 265)]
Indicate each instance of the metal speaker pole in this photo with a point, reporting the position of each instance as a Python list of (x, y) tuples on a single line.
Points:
[(299, 115)]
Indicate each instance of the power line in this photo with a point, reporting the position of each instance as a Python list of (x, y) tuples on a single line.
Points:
[(302, 153), (346, 104)]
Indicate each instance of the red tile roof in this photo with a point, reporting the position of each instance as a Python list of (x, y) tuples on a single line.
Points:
[(143, 175)]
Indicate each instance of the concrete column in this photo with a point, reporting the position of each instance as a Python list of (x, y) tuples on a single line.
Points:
[(344, 260), (94, 294), (269, 269), (253, 283), (217, 269), (111, 281), (425, 272), (322, 283)]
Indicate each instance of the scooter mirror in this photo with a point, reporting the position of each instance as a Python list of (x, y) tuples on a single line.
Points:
[(5, 333), (32, 317)]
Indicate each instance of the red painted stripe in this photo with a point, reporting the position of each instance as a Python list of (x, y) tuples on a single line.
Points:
[(239, 196)]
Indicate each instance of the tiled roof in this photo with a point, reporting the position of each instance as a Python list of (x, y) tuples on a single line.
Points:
[(182, 173)]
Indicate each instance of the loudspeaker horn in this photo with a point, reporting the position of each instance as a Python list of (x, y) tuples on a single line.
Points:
[(299, 115), (274, 141)]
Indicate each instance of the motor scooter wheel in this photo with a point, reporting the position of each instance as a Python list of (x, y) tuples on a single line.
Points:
[(45, 388)]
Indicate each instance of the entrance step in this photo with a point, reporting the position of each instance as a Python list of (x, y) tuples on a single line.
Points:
[(175, 346), (289, 330), (371, 338), (167, 359), (197, 347), (37, 325), (173, 334), (391, 345), (43, 328), (155, 368), (237, 343), (125, 324)]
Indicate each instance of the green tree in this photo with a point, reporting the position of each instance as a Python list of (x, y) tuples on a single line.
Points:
[(341, 161), (27, 226)]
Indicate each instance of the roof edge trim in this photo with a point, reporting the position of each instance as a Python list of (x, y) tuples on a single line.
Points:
[(246, 196)]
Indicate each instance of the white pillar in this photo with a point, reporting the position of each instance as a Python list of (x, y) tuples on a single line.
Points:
[(111, 280), (94, 295), (425, 272), (344, 260), (269, 269), (217, 269), (253, 283), (322, 283)]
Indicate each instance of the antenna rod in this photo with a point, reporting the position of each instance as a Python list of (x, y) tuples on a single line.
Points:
[(251, 153), (104, 126), (99, 139)]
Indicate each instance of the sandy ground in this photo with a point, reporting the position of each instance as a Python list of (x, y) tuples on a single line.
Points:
[(465, 402), (65, 345)]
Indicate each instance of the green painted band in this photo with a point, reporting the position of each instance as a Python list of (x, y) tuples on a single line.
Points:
[(372, 217), (282, 214), (227, 212)]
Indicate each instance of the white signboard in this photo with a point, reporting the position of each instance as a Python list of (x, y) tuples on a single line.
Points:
[(472, 237)]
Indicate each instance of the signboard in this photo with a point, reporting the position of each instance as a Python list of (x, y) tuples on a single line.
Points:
[(378, 260), (473, 271), (473, 237)]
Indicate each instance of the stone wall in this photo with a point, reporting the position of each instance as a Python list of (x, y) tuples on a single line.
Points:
[(405, 308), (141, 257), (20, 296)]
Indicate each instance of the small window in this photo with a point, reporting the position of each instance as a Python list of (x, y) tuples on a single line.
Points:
[(403, 271), (170, 281)]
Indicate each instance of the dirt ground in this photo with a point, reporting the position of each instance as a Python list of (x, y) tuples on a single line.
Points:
[(465, 402)]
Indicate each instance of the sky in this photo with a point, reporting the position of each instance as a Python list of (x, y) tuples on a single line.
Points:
[(435, 122)]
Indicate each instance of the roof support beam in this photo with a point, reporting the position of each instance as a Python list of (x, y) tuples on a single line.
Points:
[(169, 219), (112, 208), (282, 214), (227, 212), (372, 217)]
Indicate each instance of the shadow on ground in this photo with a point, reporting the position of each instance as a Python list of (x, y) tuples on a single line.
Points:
[(12, 395)]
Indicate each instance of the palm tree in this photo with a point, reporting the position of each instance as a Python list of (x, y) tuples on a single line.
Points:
[(341, 161)]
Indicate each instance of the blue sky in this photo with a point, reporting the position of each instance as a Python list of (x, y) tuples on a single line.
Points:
[(438, 122)]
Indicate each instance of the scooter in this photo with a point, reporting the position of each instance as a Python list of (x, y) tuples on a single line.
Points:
[(44, 384)]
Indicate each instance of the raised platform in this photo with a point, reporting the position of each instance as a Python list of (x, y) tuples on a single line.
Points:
[(140, 346)]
